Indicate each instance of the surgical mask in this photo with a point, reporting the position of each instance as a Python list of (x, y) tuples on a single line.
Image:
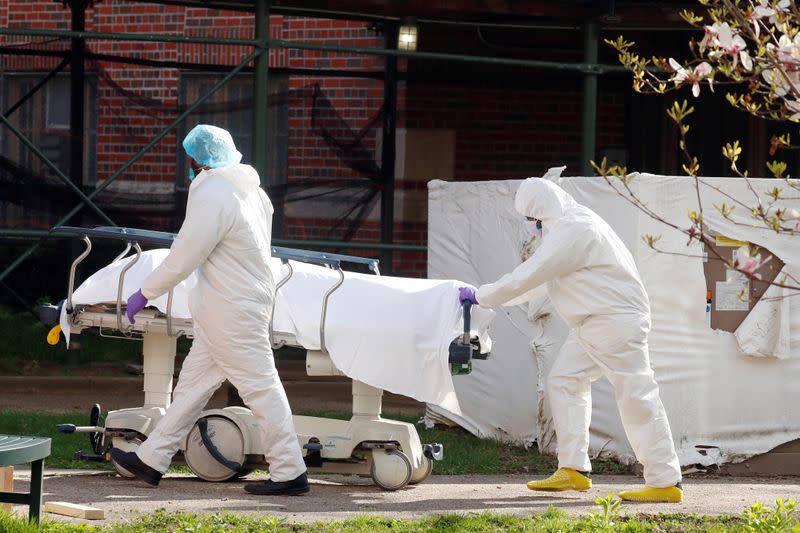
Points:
[(534, 227)]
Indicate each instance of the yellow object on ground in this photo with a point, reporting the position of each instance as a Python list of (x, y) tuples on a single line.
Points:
[(54, 335), (562, 479), (653, 495)]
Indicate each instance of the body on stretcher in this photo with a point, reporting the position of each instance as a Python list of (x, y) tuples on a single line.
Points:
[(224, 443)]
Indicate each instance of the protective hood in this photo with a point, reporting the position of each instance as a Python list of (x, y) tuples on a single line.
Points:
[(244, 178), (542, 199)]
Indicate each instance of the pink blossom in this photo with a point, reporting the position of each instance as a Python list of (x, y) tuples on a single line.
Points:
[(700, 72), (794, 107), (794, 215), (782, 81), (764, 9), (733, 45), (744, 261), (711, 33)]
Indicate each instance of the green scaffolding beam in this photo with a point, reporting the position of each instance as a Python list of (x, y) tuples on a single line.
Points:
[(288, 45), (25, 255), (261, 44)]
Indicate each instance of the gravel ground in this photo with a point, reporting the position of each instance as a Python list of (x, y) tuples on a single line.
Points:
[(338, 497)]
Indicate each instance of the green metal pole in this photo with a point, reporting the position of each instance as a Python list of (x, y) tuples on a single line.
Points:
[(532, 63), (388, 146), (77, 89), (261, 92), (589, 117), (553, 65), (19, 260), (143, 37)]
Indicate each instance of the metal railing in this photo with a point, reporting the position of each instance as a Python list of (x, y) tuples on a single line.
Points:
[(261, 44)]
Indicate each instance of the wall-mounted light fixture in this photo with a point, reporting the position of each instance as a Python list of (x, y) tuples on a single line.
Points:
[(407, 37)]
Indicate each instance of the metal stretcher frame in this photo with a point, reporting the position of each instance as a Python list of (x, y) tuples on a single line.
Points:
[(135, 238), (392, 453)]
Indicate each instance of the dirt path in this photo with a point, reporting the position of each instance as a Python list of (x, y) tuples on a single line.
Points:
[(339, 497), (59, 393)]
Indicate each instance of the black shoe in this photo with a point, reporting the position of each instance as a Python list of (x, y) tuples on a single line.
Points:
[(295, 487), (131, 462)]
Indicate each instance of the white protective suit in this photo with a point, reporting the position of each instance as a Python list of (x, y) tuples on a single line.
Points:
[(593, 283), (226, 237)]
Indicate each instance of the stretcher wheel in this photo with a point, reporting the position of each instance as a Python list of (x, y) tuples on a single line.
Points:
[(391, 469), (96, 438), (126, 446), (421, 474), (227, 438)]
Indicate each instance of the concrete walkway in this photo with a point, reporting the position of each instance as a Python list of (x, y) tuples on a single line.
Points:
[(339, 497)]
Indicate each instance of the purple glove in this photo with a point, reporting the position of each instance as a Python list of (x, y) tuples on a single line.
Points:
[(136, 303), (467, 294)]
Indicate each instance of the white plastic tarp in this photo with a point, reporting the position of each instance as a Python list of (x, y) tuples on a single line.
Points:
[(389, 332), (724, 405)]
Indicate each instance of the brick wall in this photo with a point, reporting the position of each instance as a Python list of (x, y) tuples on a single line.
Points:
[(507, 134), (500, 133)]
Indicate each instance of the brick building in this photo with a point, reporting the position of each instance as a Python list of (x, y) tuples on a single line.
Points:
[(456, 120)]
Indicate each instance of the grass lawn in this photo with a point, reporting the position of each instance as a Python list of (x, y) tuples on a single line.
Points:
[(29, 347), (553, 520), (463, 452)]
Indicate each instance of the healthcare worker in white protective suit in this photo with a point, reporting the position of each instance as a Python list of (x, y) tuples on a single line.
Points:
[(226, 238), (593, 284)]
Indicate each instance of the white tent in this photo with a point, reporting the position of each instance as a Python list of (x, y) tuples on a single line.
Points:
[(724, 405)]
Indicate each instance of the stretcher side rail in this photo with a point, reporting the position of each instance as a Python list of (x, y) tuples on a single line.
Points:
[(136, 237), (165, 239)]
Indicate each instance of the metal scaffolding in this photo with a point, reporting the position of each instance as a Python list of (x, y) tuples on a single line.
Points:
[(259, 59)]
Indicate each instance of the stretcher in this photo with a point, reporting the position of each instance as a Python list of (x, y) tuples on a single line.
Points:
[(225, 443)]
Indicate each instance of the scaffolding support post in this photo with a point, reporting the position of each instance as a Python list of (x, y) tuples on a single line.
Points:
[(388, 144), (76, 94), (261, 91), (589, 111), (261, 116), (77, 79), (30, 251)]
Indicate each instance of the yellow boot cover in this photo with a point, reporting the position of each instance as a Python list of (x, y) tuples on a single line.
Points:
[(653, 495), (562, 479)]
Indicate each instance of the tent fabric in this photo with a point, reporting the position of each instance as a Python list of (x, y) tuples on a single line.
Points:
[(723, 404), (389, 332)]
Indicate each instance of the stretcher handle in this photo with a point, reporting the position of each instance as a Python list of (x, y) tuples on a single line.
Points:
[(467, 306), (164, 239), (323, 258), (124, 252), (72, 271), (142, 236), (122, 282), (324, 317), (280, 284)]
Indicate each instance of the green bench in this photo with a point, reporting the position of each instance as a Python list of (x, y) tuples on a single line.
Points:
[(16, 450)]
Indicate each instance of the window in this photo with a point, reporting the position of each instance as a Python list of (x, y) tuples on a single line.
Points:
[(44, 119), (58, 103)]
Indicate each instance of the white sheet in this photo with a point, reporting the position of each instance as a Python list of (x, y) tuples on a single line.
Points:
[(715, 394), (391, 333)]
